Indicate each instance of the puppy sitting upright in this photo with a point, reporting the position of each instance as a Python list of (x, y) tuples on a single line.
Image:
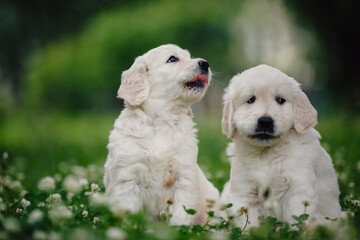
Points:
[(277, 162), (153, 148)]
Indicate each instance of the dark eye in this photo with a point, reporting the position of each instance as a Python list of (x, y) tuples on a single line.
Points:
[(172, 59), (251, 100), (280, 100)]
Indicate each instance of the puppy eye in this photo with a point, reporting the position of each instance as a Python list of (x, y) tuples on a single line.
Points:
[(172, 59), (251, 100), (280, 100)]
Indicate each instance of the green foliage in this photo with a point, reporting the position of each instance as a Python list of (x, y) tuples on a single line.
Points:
[(62, 145), (84, 71)]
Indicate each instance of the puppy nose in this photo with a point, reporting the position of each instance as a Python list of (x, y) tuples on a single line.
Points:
[(265, 124), (204, 66)]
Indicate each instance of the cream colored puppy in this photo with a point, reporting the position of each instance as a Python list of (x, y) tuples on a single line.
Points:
[(277, 161), (153, 148)]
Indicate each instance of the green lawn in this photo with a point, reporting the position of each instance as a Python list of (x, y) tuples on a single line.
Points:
[(46, 144)]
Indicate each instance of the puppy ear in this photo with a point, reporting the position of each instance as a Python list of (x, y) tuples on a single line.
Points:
[(135, 86), (305, 113), (227, 122)]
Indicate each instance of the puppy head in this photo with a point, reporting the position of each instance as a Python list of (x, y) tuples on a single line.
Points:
[(166, 73), (262, 104)]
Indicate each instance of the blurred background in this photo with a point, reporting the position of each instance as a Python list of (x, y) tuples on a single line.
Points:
[(61, 62)]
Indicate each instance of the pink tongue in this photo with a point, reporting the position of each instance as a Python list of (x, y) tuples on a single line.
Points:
[(202, 78)]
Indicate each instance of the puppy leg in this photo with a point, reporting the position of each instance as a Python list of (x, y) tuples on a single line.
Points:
[(129, 196), (299, 200), (184, 196)]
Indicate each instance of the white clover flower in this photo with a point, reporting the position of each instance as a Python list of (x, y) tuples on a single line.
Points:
[(15, 185), (12, 225), (41, 204), (25, 203), (356, 203), (85, 213), (96, 220), (35, 216), (5, 155), (40, 235), (95, 187), (23, 193), (46, 184), (53, 199), (59, 213), (57, 177), (99, 200), (79, 171), (2, 205), (84, 183), (114, 233), (71, 184), (69, 196), (18, 210)]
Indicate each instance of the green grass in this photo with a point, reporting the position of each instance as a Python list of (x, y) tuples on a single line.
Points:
[(51, 144)]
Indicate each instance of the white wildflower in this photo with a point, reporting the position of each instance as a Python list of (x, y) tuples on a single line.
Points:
[(46, 184), (15, 185), (41, 204), (356, 203), (96, 220), (23, 193), (99, 200), (71, 184), (35, 216), (53, 199), (11, 225), (95, 187), (73, 208), (60, 213), (5, 155), (85, 213), (79, 171), (82, 205), (114, 233), (40, 235), (2, 204), (69, 196), (84, 183), (18, 210), (25, 203), (57, 177)]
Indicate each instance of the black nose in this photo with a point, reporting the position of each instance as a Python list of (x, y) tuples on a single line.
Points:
[(265, 125), (204, 67)]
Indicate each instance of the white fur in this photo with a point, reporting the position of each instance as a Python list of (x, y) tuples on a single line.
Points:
[(153, 147), (293, 167)]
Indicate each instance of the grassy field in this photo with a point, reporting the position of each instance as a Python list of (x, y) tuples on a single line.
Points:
[(35, 145)]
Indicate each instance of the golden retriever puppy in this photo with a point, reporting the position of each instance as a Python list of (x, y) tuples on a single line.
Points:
[(153, 149), (278, 167)]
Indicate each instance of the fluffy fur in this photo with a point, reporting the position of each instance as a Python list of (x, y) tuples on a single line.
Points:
[(153, 148), (275, 167)]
